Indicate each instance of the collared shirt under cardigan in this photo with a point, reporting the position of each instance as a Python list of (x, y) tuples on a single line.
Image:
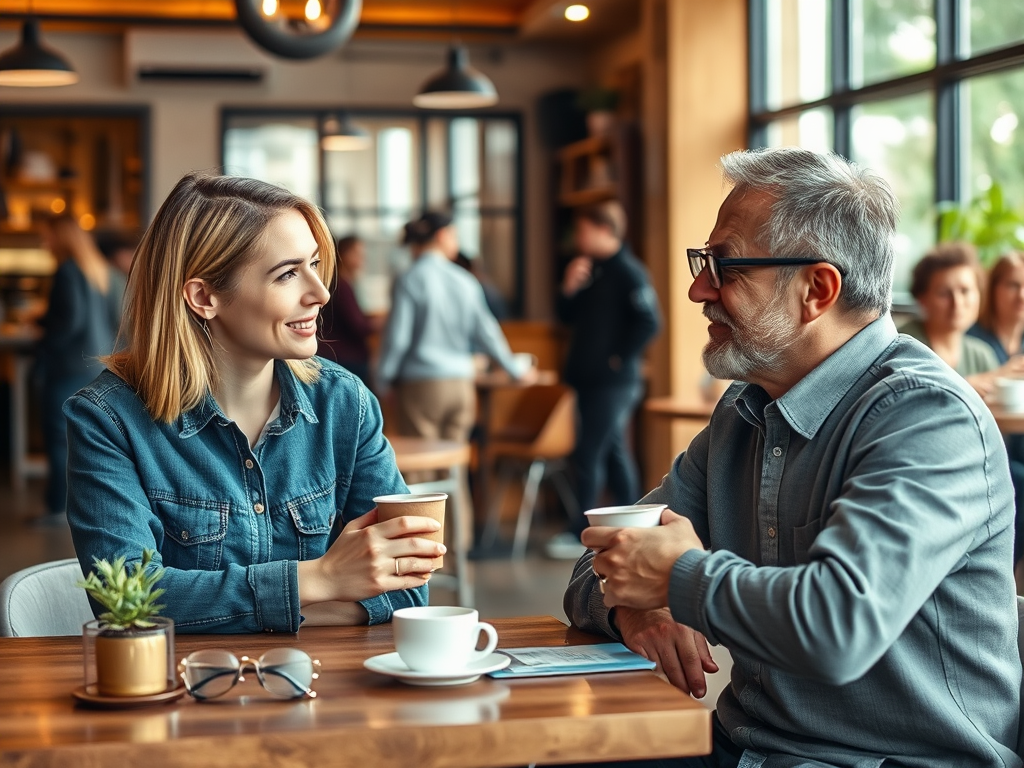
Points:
[(859, 535), (438, 319), (229, 522)]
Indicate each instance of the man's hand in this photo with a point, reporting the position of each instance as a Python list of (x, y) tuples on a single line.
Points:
[(577, 273), (635, 563), (681, 653)]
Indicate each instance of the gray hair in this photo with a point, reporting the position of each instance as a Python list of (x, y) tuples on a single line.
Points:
[(828, 207)]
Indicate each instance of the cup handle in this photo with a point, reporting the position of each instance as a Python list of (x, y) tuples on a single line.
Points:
[(492, 641)]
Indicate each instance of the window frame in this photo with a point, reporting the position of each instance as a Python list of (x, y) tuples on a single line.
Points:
[(516, 211), (951, 68)]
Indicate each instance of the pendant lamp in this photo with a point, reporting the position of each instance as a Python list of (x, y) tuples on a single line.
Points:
[(339, 134), (30, 64), (457, 87)]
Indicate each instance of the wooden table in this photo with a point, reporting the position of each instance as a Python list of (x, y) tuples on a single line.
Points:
[(359, 719), (418, 454)]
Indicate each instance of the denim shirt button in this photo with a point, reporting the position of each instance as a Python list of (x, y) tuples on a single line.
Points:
[(257, 508), (771, 533), (248, 463), (184, 535), (776, 451)]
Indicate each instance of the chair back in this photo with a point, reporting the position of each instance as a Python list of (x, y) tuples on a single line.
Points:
[(44, 601), (540, 423)]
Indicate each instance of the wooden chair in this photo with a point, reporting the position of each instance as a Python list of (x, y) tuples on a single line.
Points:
[(540, 432)]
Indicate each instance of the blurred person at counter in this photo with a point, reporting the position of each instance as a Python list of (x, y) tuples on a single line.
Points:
[(346, 328), (438, 318), (80, 325), (608, 302)]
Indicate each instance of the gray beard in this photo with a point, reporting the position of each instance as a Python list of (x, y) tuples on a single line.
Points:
[(758, 343)]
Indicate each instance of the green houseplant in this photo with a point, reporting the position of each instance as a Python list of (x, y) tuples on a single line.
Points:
[(988, 221), (133, 647)]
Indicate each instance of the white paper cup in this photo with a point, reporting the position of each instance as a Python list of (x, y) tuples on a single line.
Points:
[(440, 638), (630, 516)]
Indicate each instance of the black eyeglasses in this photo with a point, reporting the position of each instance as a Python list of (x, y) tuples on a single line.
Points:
[(702, 258)]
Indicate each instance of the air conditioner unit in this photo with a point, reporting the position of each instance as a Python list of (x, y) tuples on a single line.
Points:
[(193, 56)]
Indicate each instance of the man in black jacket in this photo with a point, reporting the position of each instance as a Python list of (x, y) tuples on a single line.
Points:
[(608, 301)]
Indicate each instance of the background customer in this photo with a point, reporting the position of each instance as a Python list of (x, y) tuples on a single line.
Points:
[(346, 328)]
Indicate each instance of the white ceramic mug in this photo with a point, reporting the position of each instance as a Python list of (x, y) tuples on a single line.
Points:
[(630, 516), (440, 638), (1010, 394)]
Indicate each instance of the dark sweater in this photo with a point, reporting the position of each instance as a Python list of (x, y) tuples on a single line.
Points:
[(345, 328), (613, 318)]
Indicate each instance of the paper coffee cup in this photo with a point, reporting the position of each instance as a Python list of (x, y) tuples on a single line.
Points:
[(419, 505), (630, 516)]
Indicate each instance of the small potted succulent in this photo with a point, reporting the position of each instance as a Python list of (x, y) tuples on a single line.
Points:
[(132, 648)]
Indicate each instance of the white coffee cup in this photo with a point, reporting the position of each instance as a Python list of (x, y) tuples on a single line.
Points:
[(1010, 394), (629, 516), (440, 638), (524, 361)]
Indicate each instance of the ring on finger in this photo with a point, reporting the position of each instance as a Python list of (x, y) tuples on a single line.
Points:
[(601, 581), (398, 571)]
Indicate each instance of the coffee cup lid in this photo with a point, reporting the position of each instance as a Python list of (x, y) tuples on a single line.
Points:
[(398, 498)]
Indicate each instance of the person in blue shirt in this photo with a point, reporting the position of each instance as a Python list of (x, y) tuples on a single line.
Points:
[(216, 438), (438, 319)]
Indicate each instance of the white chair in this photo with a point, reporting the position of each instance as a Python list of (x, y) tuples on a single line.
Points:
[(44, 601)]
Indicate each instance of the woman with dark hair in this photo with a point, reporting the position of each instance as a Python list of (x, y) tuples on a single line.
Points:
[(1001, 322), (218, 440), (346, 328), (438, 318)]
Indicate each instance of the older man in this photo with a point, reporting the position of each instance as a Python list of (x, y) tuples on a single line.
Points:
[(845, 522)]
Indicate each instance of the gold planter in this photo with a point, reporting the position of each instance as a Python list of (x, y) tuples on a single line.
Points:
[(129, 663)]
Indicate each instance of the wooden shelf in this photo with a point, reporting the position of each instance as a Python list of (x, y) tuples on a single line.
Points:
[(587, 196)]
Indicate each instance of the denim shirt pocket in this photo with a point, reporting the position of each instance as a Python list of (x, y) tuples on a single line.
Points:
[(313, 514), (194, 530)]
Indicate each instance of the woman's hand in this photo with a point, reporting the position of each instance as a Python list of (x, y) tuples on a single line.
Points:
[(370, 558)]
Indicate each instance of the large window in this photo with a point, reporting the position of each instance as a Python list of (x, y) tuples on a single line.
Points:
[(926, 92), (468, 165)]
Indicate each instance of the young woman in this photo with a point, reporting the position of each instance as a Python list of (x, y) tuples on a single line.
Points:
[(80, 326), (215, 439)]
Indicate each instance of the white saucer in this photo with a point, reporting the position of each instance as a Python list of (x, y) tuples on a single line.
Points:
[(392, 664)]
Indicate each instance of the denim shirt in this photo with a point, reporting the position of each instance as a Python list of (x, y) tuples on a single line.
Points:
[(859, 565), (229, 523)]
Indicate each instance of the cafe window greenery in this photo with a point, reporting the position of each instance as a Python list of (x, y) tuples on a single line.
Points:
[(929, 93), (468, 164)]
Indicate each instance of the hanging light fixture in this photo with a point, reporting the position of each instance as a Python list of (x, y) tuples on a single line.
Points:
[(339, 134), (457, 87), (30, 64)]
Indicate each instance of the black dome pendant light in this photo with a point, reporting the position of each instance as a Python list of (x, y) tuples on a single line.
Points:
[(31, 64), (458, 86)]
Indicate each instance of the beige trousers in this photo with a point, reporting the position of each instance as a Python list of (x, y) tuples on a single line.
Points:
[(442, 409)]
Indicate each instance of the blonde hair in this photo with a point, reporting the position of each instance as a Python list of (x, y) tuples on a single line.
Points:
[(69, 241), (999, 272), (208, 228)]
